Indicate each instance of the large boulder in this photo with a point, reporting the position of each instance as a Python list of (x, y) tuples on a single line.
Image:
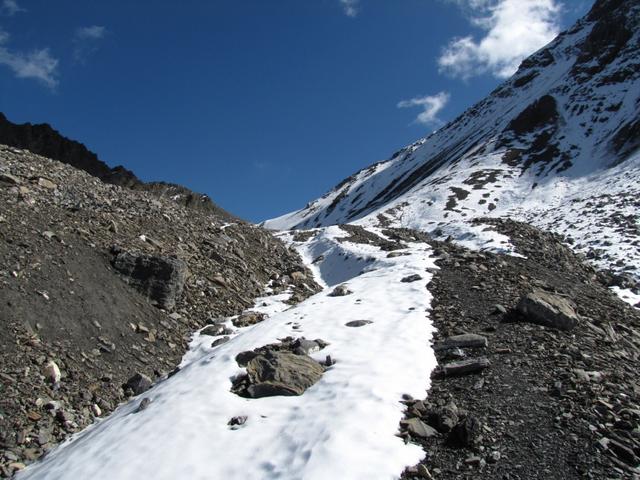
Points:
[(159, 278), (278, 373), (547, 309)]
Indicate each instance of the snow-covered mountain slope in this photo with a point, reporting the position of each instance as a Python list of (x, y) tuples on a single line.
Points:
[(555, 145), (345, 426)]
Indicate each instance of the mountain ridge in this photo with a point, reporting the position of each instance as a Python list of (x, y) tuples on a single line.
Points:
[(42, 139), (571, 112)]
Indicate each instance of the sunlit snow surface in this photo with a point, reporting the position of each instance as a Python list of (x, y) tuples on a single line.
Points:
[(344, 427)]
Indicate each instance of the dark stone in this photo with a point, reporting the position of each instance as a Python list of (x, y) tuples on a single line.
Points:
[(358, 323), (143, 404), (237, 421), (467, 340), (215, 330), (417, 428), (278, 373), (138, 384), (411, 278), (465, 367), (248, 319), (548, 309), (220, 341), (159, 278), (340, 291), (466, 433)]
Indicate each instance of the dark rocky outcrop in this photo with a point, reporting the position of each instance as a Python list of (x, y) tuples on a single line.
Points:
[(540, 113), (159, 278)]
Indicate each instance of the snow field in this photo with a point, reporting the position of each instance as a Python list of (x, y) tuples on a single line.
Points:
[(342, 427)]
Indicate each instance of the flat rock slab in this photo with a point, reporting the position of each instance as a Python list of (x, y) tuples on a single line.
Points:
[(418, 428), (358, 323), (465, 367), (547, 309), (467, 340), (411, 278)]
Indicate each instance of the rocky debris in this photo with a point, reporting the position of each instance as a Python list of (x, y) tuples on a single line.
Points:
[(411, 278), (358, 234), (417, 428), (278, 369), (8, 179), (138, 384), (236, 422), (43, 140), (551, 399), (340, 291), (302, 346), (465, 367), (358, 323), (56, 260), (548, 309), (52, 372), (159, 278), (466, 433), (216, 330), (248, 319), (466, 340)]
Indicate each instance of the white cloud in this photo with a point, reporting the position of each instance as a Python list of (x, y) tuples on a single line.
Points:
[(10, 7), (431, 106), (94, 32), (350, 7), (514, 29), (86, 41), (37, 64)]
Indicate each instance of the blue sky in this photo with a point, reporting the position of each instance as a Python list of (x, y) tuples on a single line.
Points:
[(262, 104)]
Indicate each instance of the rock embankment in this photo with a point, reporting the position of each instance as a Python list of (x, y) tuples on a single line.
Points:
[(545, 360)]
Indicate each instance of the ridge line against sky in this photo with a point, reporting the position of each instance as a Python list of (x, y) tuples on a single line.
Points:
[(482, 45)]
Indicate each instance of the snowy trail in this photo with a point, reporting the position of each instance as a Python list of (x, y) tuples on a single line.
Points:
[(342, 427)]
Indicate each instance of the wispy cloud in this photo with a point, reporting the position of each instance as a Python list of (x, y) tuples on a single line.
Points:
[(86, 41), (10, 7), (513, 30), (38, 64), (431, 106), (94, 32), (350, 7)]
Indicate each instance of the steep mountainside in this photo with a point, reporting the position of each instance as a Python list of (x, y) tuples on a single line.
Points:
[(44, 140), (554, 146)]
